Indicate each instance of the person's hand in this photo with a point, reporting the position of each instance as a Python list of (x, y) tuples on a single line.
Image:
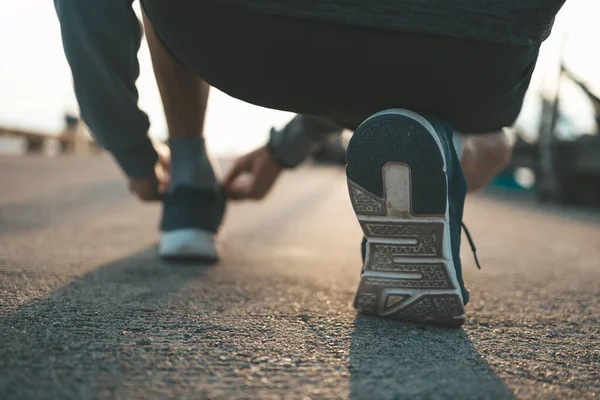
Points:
[(154, 187), (252, 175)]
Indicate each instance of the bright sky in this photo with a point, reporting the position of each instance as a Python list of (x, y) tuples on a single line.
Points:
[(35, 82), (575, 40)]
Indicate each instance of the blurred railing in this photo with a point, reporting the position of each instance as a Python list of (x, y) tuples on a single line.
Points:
[(73, 139)]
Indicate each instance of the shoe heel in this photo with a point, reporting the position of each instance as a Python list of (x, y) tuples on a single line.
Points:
[(398, 189)]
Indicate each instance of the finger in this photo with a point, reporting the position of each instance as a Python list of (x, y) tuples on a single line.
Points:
[(164, 155), (156, 196), (265, 175), (260, 190), (163, 177), (238, 190), (236, 196), (162, 149), (240, 166), (145, 191), (146, 195), (165, 164), (163, 187)]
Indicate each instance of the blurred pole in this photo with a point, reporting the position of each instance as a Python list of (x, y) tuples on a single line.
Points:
[(549, 184)]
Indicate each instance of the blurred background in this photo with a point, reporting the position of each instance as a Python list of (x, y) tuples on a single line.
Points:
[(557, 141)]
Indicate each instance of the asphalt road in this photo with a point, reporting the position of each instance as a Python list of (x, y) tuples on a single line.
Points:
[(87, 310)]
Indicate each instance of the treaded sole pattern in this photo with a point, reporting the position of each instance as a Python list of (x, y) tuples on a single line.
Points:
[(398, 189)]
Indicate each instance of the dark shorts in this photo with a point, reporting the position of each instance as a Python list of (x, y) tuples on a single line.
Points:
[(343, 72)]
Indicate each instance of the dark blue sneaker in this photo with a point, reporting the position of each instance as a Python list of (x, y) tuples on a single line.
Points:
[(408, 191), (191, 218)]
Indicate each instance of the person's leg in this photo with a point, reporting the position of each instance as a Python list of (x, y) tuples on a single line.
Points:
[(194, 206), (404, 176), (484, 156), (479, 87), (185, 98)]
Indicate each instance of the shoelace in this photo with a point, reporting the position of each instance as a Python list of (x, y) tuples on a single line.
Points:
[(473, 248)]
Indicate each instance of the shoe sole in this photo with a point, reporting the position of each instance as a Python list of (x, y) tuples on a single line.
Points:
[(398, 189), (188, 244)]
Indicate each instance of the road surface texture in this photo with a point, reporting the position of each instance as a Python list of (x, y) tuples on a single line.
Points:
[(88, 311)]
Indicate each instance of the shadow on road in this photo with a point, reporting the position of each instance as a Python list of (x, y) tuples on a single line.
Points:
[(27, 216), (392, 360), (71, 343)]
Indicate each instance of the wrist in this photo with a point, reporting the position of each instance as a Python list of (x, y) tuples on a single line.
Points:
[(274, 150)]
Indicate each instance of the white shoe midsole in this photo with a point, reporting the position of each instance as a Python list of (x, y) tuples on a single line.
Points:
[(187, 242)]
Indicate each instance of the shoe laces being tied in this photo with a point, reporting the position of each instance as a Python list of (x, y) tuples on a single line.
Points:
[(471, 243)]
